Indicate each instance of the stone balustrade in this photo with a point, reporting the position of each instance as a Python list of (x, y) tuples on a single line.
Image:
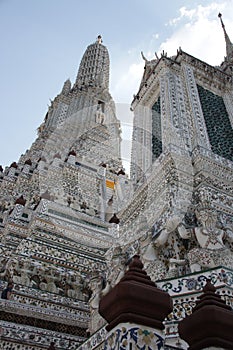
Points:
[(13, 333)]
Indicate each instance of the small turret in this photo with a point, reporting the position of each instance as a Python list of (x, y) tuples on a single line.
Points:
[(210, 324), (136, 299), (71, 157), (114, 220), (66, 87), (14, 165), (28, 162), (20, 201), (27, 166)]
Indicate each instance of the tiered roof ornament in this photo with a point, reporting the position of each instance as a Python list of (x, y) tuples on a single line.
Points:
[(210, 323), (66, 87), (136, 299), (99, 39)]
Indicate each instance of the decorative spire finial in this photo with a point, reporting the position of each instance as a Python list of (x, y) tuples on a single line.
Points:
[(144, 58), (229, 45), (99, 39), (220, 16), (209, 324), (157, 57)]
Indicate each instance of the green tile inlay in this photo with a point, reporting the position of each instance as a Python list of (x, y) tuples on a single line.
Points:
[(156, 130), (217, 123)]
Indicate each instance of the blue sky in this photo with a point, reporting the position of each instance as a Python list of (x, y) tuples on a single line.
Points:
[(42, 43)]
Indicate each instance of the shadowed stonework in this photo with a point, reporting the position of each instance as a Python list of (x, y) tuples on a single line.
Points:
[(217, 123), (156, 130)]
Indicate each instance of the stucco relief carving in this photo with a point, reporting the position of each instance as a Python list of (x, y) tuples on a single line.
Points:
[(210, 236)]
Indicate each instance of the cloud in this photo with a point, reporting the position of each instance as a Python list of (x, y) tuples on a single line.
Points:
[(123, 88), (126, 83), (183, 13), (198, 32), (199, 41), (193, 15), (155, 36)]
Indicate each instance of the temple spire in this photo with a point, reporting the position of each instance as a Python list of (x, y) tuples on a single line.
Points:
[(229, 45), (94, 66)]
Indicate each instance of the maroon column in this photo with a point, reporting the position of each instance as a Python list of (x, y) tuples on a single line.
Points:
[(211, 323), (136, 299)]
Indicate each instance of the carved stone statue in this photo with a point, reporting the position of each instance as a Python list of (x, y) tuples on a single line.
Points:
[(96, 321), (22, 272), (154, 267), (172, 224), (173, 230), (50, 279), (6, 270), (25, 271), (173, 267), (74, 290), (116, 268), (47, 279), (212, 251)]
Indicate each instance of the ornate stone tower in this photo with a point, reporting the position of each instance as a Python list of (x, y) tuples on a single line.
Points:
[(87, 103), (55, 206), (180, 219), (69, 227)]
